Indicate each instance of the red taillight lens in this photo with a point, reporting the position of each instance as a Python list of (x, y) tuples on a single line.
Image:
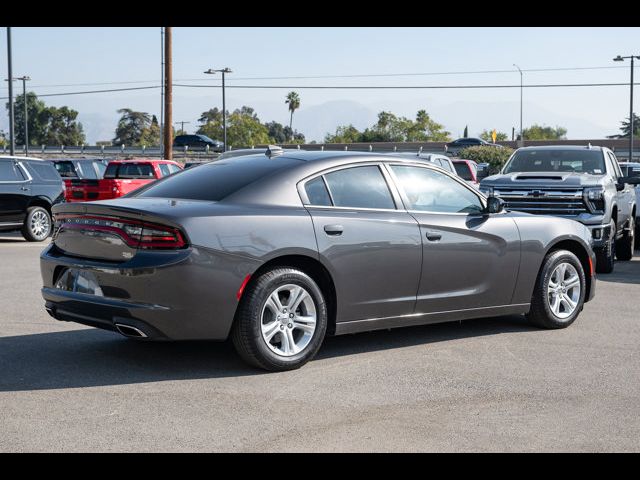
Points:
[(135, 234)]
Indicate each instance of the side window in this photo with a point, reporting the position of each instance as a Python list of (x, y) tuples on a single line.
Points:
[(359, 187), (611, 166), (164, 169), (100, 167), (45, 171), (317, 192), (431, 191), (173, 168), (616, 165), (9, 172)]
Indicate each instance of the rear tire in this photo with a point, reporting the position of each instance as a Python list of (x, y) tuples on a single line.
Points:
[(606, 255), (560, 289), (626, 245), (281, 320), (37, 225)]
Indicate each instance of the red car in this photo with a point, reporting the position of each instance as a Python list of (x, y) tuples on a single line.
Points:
[(80, 177), (467, 170), (124, 176)]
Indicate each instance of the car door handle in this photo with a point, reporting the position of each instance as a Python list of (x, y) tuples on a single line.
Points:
[(24, 189), (333, 230), (433, 236)]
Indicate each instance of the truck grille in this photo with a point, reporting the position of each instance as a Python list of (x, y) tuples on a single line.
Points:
[(543, 201)]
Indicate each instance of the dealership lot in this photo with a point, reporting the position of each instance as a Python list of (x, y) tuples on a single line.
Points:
[(493, 384)]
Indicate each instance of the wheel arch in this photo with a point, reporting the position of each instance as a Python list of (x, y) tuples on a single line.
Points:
[(579, 250), (316, 270), (40, 202)]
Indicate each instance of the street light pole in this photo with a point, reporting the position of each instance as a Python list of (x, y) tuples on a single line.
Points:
[(620, 59), (211, 71), (521, 132)]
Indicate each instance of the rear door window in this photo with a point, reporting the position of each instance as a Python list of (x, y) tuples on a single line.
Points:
[(66, 169), (317, 192), (360, 187)]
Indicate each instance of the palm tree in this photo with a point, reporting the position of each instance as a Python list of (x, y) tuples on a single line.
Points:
[(293, 99)]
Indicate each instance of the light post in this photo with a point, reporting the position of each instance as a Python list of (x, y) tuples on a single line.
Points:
[(521, 132), (25, 79), (211, 71), (621, 59)]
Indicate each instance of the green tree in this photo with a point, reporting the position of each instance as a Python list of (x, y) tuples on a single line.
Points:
[(47, 125), (625, 128), (62, 127), (243, 127), (539, 132), (425, 129), (150, 135), (293, 99), (3, 139), (131, 127), (279, 133), (500, 136), (466, 131), (344, 134)]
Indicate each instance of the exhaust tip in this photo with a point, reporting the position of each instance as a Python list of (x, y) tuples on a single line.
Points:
[(129, 331)]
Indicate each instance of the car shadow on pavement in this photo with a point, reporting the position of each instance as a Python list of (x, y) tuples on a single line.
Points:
[(92, 357), (623, 272)]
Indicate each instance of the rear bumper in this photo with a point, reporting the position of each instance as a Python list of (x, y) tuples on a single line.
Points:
[(167, 295)]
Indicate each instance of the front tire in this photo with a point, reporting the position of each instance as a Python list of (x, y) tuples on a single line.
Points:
[(559, 294), (626, 245), (281, 320), (606, 255), (37, 225)]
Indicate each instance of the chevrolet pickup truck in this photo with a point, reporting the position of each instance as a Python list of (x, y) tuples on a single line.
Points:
[(583, 183)]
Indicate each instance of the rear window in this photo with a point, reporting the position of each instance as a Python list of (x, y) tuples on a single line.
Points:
[(66, 169), (87, 170), (45, 171), (463, 171), (216, 180), (129, 170)]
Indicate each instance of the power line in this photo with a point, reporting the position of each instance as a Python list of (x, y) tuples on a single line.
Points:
[(368, 75), (342, 87)]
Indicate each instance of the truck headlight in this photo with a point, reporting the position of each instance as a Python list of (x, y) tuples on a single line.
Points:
[(594, 198)]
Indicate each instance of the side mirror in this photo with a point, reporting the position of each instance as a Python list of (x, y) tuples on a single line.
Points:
[(495, 205), (482, 173)]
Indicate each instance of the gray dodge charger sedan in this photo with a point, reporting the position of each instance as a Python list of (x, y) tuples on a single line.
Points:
[(278, 250)]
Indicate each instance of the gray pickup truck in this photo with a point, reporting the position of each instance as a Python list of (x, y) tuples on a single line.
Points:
[(583, 183)]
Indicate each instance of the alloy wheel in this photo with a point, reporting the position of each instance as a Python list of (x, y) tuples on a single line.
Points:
[(563, 290)]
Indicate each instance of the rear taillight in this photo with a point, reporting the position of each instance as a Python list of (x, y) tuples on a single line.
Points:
[(135, 234)]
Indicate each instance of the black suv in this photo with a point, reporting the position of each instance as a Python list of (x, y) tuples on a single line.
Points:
[(29, 187), (198, 141)]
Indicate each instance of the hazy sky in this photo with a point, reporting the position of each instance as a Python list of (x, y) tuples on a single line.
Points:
[(67, 59)]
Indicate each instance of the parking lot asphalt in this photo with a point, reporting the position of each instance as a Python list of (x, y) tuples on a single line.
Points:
[(482, 385)]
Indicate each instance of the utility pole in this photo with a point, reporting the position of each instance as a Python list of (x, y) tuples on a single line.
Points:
[(26, 113), (620, 59), (181, 125), (168, 111), (161, 92), (12, 138)]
